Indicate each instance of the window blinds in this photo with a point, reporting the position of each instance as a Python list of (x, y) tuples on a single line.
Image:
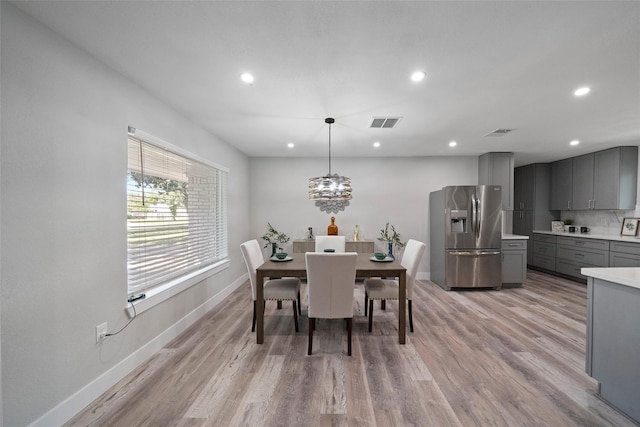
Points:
[(176, 215)]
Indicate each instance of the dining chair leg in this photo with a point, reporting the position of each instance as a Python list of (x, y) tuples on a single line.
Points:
[(279, 304), (410, 317), (312, 325), (295, 315), (253, 324), (366, 302), (370, 315), (299, 305), (383, 304), (349, 325)]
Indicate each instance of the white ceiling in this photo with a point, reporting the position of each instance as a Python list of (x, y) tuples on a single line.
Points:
[(489, 65)]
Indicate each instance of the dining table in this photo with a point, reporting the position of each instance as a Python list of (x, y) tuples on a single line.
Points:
[(366, 266)]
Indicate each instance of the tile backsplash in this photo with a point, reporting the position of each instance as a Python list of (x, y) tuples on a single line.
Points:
[(600, 222)]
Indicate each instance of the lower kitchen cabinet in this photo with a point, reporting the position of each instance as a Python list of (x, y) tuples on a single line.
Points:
[(544, 252), (623, 254), (514, 261)]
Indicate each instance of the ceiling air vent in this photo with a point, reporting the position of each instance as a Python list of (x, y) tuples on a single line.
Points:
[(384, 122), (500, 132)]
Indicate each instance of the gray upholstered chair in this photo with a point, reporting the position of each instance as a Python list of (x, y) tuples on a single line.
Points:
[(337, 243), (381, 289), (286, 289), (330, 278)]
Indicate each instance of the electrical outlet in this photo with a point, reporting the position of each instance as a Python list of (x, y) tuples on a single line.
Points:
[(101, 332)]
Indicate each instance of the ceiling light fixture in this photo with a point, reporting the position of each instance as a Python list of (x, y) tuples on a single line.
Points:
[(330, 192), (376, 144), (453, 144), (247, 78), (582, 91), (291, 145), (418, 76), (574, 142)]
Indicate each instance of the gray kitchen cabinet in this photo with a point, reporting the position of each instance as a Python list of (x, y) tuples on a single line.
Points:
[(574, 253), (605, 179), (514, 261), (561, 184), (582, 182), (624, 254), (615, 178), (544, 252), (497, 169), (532, 184)]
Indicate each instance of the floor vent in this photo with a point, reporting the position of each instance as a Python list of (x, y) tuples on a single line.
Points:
[(500, 132), (384, 122)]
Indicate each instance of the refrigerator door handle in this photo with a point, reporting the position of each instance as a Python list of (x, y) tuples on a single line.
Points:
[(474, 215), (478, 219), (475, 253)]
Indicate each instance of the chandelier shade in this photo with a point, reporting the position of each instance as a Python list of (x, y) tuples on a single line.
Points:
[(331, 192)]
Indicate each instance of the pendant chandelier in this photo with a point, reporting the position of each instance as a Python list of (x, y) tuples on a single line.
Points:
[(330, 192)]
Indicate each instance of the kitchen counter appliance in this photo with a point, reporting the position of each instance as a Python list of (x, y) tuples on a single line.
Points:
[(466, 236)]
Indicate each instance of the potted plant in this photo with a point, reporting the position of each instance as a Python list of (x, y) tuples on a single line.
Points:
[(392, 238), (274, 238)]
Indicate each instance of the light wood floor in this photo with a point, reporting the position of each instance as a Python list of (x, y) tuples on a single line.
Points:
[(513, 357)]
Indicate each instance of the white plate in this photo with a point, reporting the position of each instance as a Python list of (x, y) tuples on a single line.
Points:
[(288, 258), (387, 259)]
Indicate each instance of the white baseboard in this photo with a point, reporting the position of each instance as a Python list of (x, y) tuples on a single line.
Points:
[(64, 411)]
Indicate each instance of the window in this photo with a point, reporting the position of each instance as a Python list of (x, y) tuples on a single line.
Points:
[(176, 215)]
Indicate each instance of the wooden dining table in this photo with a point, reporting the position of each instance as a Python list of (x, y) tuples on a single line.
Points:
[(365, 267)]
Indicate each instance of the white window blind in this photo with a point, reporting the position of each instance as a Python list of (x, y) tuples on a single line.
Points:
[(176, 215)]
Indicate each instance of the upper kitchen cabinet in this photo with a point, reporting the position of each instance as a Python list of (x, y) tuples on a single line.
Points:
[(582, 184), (497, 169), (605, 179), (615, 178), (561, 184)]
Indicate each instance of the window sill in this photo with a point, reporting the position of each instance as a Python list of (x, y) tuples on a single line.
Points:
[(163, 292)]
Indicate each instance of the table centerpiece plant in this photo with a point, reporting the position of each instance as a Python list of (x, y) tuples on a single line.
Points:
[(274, 238), (391, 238)]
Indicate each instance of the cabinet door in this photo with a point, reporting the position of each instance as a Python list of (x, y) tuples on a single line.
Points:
[(514, 266), (497, 169), (524, 187), (615, 179), (561, 184), (583, 170)]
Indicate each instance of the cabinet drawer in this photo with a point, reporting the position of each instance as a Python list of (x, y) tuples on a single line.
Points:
[(583, 257), (544, 249), (569, 268), (624, 247), (514, 245), (545, 238), (541, 261), (618, 259), (583, 243)]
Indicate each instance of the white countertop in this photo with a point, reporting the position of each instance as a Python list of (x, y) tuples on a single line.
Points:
[(617, 237), (628, 276), (514, 237)]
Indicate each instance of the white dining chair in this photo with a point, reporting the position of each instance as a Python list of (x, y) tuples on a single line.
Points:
[(330, 278), (285, 289), (337, 243), (384, 289)]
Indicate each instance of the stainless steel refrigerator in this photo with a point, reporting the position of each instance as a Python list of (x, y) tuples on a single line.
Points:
[(466, 236)]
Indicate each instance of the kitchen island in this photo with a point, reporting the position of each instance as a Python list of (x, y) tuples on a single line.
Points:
[(613, 335)]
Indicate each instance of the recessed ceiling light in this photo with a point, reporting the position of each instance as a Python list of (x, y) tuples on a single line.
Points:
[(418, 76), (247, 78), (582, 91), (574, 142), (453, 144), (376, 144), (291, 145)]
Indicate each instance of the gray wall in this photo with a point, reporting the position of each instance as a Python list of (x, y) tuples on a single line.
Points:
[(63, 216)]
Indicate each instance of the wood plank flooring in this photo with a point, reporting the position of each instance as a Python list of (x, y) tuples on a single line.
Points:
[(513, 357)]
